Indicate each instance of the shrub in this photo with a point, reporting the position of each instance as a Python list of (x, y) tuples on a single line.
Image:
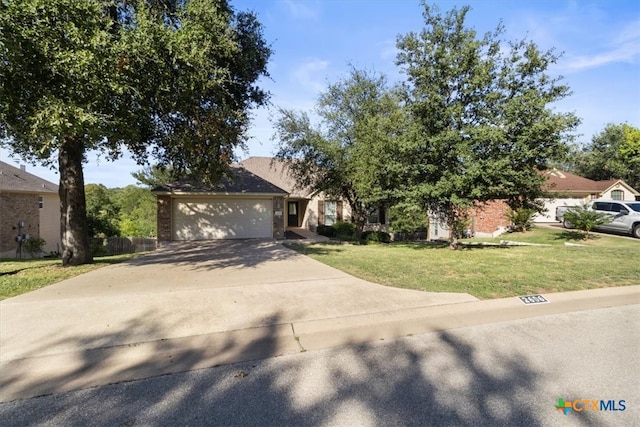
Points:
[(98, 248), (326, 230), (521, 218), (375, 236), (33, 246), (584, 219), (344, 230)]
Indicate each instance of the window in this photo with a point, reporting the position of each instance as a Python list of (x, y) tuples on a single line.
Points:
[(617, 195), (376, 215), (40, 202), (330, 212), (600, 206), (615, 207)]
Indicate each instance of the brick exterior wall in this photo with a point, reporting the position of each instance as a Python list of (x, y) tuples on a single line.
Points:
[(489, 217), (16, 207), (164, 219), (278, 218)]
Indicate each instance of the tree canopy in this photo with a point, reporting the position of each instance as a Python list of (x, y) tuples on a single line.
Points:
[(483, 110), (172, 79), (613, 153), (344, 154), (472, 122)]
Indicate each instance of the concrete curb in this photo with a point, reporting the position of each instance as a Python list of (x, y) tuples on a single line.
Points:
[(57, 373)]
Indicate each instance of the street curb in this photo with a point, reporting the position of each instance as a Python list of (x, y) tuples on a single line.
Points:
[(51, 374)]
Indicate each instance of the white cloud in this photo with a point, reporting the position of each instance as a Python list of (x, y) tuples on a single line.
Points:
[(311, 74), (624, 47), (303, 9)]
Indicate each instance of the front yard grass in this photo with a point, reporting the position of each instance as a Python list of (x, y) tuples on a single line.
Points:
[(491, 271), (19, 276)]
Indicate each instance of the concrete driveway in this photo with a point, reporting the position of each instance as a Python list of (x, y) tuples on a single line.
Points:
[(179, 308)]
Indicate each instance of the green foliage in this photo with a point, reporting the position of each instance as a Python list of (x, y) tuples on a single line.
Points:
[(375, 237), (154, 176), (483, 116), (102, 211), (33, 246), (138, 211), (585, 219), (344, 230), (174, 80), (129, 211), (345, 154), (521, 218), (326, 230), (614, 153), (408, 218)]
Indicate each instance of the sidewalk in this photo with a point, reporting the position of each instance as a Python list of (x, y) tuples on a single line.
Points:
[(71, 370)]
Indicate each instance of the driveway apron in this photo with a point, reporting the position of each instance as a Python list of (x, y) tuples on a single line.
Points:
[(187, 290)]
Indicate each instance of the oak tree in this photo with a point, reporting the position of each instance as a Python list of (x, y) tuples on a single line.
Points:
[(170, 79), (484, 108)]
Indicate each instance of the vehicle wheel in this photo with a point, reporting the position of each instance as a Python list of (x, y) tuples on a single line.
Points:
[(567, 224), (636, 231)]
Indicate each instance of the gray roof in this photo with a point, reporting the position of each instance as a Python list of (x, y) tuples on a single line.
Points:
[(276, 171), (242, 182), (15, 180)]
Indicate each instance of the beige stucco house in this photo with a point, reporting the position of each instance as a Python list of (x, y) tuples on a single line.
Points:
[(31, 200), (567, 189), (304, 208), (260, 200)]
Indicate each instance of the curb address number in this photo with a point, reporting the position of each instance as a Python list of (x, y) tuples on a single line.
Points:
[(533, 299)]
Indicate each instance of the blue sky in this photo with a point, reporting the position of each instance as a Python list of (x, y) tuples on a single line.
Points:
[(315, 41)]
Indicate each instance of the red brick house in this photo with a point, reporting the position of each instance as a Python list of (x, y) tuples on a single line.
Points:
[(28, 199), (564, 189)]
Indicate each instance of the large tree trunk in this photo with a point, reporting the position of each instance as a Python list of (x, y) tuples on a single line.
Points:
[(74, 232)]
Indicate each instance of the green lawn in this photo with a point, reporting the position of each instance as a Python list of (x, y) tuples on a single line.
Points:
[(19, 276), (491, 271)]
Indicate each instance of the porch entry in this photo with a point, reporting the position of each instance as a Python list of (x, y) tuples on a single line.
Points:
[(293, 209)]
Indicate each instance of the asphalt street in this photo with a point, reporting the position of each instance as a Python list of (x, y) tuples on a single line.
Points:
[(509, 373)]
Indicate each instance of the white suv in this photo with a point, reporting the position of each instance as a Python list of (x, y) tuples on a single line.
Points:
[(625, 216)]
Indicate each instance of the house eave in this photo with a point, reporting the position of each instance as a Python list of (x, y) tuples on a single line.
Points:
[(217, 194)]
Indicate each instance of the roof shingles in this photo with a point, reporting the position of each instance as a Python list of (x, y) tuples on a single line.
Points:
[(16, 180), (242, 182)]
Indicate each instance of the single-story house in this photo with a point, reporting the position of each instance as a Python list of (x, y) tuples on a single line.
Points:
[(243, 206), (260, 200), (487, 219), (567, 189), (304, 208), (29, 201)]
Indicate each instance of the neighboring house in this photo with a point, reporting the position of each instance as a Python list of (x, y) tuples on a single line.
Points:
[(487, 219), (567, 189), (31, 200)]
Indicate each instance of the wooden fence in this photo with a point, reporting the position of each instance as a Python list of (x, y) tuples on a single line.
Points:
[(129, 245)]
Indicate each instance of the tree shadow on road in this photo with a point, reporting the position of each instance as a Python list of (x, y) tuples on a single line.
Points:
[(442, 379)]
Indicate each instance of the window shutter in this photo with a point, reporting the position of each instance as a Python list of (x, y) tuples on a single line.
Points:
[(382, 219), (320, 212), (339, 210)]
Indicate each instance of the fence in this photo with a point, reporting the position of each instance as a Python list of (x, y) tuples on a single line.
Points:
[(129, 245)]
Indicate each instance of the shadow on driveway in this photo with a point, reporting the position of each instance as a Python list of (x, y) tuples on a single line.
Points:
[(217, 254)]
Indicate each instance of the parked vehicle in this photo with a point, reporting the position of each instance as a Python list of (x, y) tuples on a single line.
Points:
[(625, 216)]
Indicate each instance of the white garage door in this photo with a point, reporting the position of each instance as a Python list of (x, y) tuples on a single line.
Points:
[(552, 204), (224, 218)]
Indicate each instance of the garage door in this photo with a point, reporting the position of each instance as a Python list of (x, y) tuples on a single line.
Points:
[(224, 218), (552, 204)]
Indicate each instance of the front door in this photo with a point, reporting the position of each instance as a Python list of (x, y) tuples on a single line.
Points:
[(292, 208)]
